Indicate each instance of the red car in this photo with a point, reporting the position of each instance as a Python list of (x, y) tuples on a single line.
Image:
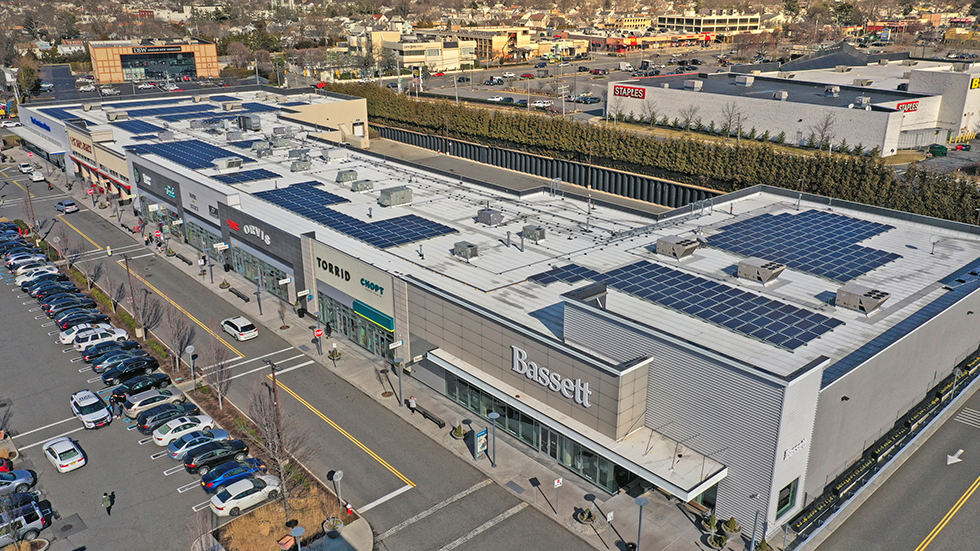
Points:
[(527, 75), (439, 74), (6, 466), (321, 84)]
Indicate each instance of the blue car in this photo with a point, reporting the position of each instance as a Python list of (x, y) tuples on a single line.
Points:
[(231, 471)]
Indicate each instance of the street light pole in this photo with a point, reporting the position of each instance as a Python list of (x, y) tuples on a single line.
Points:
[(493, 417), (642, 502)]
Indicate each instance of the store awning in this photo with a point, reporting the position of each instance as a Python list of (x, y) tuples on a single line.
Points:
[(100, 173), (43, 143)]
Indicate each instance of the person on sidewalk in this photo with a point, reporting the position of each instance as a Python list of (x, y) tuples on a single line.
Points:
[(411, 404), (107, 503), (329, 330)]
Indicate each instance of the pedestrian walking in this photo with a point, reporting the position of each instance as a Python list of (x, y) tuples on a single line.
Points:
[(411, 404), (329, 330), (146, 240), (107, 503), (118, 407)]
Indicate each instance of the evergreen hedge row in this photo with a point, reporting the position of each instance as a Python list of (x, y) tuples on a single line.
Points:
[(721, 166)]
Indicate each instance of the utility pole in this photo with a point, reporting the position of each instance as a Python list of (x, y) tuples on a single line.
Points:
[(275, 398), (132, 296), (562, 91)]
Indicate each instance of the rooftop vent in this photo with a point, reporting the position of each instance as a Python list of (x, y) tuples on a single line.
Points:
[(904, 87), (197, 123), (234, 136), (279, 130), (90, 106), (261, 145), (863, 82), (842, 69), (907, 75), (693, 84), (249, 122), (298, 153), (117, 115), (676, 246), (358, 186), (831, 91), (267, 152), (165, 136), (334, 154), (231, 105), (961, 67), (744, 80), (465, 249), (665, 85), (534, 233), (781, 95), (489, 217), (862, 101), (222, 163), (909, 63), (281, 142), (882, 62), (784, 74), (198, 99), (346, 176), (858, 297), (758, 269), (300, 166), (395, 196)]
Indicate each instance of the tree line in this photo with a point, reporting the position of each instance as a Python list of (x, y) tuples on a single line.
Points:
[(722, 166)]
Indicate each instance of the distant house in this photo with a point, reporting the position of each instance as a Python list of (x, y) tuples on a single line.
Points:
[(69, 47)]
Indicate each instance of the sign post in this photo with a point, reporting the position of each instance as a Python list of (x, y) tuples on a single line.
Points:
[(480, 444), (317, 334), (558, 482)]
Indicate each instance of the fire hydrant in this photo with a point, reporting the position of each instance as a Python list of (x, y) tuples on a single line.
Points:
[(350, 511)]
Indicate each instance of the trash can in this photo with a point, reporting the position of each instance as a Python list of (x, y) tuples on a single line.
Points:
[(630, 546), (966, 147), (227, 267), (301, 312), (937, 150)]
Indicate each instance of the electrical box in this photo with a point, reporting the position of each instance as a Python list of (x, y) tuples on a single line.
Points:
[(534, 233), (299, 166), (346, 176)]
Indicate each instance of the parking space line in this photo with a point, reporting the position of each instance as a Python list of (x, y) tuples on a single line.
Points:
[(29, 446), (84, 369), (41, 428), (346, 434), (383, 499), (158, 455), (201, 506), (76, 360), (249, 372), (48, 324), (67, 350), (93, 379), (131, 427), (188, 487), (173, 470), (146, 441)]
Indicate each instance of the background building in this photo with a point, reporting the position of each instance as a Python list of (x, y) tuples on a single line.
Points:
[(491, 42), (115, 61), (715, 21), (437, 55)]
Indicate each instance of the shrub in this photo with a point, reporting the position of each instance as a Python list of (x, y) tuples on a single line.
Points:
[(157, 348), (763, 545), (764, 137), (128, 322), (712, 129), (665, 121), (732, 525), (875, 153), (751, 134), (78, 277), (718, 540), (102, 299), (676, 123), (843, 147), (858, 149), (780, 138)]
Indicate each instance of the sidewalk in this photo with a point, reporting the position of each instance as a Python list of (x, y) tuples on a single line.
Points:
[(668, 525)]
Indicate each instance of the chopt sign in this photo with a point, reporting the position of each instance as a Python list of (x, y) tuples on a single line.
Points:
[(629, 92)]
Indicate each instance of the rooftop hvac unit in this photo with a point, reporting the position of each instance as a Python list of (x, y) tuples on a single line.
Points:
[(489, 217), (909, 63), (904, 87), (665, 85), (760, 270), (882, 62), (281, 142), (907, 75), (693, 84), (262, 96), (263, 152), (863, 82), (395, 196), (165, 136), (534, 233), (198, 99), (784, 74), (249, 122), (961, 67), (676, 246), (346, 176), (300, 166), (744, 80), (279, 130), (842, 69), (831, 91), (234, 136), (465, 249), (231, 105), (781, 95), (197, 123), (358, 186), (222, 163), (261, 145), (862, 101), (334, 154), (90, 106), (117, 115), (225, 123), (298, 153), (860, 298)]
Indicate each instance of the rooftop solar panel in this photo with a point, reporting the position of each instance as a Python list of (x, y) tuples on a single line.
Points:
[(223, 98), (818, 242), (193, 154), (139, 104), (246, 176), (59, 113), (254, 107), (244, 144), (172, 110), (137, 127), (294, 103), (769, 320)]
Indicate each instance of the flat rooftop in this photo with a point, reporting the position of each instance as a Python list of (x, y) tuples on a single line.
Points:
[(800, 89), (884, 77)]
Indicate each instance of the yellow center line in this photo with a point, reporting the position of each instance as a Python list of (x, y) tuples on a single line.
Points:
[(87, 238), (345, 433), (186, 313), (16, 183), (949, 516)]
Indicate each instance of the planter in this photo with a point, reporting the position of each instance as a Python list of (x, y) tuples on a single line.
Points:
[(333, 527), (224, 285), (458, 433), (585, 517), (709, 524), (731, 531), (717, 541)]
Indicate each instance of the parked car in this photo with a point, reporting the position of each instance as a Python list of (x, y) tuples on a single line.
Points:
[(64, 454), (25, 168), (508, 74), (439, 74), (58, 276), (137, 385), (132, 367), (18, 481), (16, 260), (541, 65), (9, 123), (34, 265), (37, 176), (77, 301), (117, 335), (495, 98), (175, 428), (90, 409), (204, 458), (149, 399), (241, 495), (507, 100), (23, 523), (231, 472), (50, 287), (67, 206), (146, 86), (87, 88), (80, 317), (589, 99), (150, 420), (521, 102), (15, 500), (527, 75), (564, 64), (240, 328), (463, 79), (6, 465), (583, 69), (34, 274), (110, 360), (68, 336), (109, 92), (178, 448)]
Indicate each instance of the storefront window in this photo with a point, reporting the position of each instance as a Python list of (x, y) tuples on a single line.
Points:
[(787, 498), (343, 320), (203, 240), (255, 268), (158, 66)]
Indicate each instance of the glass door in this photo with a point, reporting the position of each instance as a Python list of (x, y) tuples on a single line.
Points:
[(549, 442)]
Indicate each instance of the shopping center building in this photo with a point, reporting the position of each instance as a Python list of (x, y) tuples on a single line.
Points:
[(740, 353), (115, 61)]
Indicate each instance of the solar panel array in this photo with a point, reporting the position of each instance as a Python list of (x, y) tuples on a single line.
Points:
[(306, 200), (222, 98), (254, 107), (59, 113), (184, 116), (137, 127), (244, 144), (769, 320), (173, 110), (294, 103), (818, 242), (193, 154), (138, 104), (246, 176)]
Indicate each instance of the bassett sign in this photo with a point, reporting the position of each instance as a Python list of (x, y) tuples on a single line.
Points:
[(630, 92)]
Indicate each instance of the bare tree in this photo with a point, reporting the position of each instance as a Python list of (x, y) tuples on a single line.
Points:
[(282, 314), (824, 130), (148, 310), (688, 114), (5, 416), (182, 333), (93, 271), (614, 107), (115, 289), (278, 435), (649, 111), (731, 118), (217, 372), (199, 530)]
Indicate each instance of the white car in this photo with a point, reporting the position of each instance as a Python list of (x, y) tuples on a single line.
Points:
[(508, 74), (495, 98), (9, 124), (240, 328), (34, 274), (109, 92), (37, 176), (564, 64), (18, 260), (25, 168), (135, 405), (68, 335), (32, 266), (85, 80), (241, 495), (90, 409), (87, 88), (146, 86), (169, 87), (175, 428), (542, 104), (64, 454), (87, 340)]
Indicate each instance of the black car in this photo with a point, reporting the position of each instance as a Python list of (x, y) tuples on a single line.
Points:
[(521, 102), (139, 384), (463, 79), (46, 277), (50, 298), (151, 419), (583, 69), (590, 99), (84, 317), (202, 459), (10, 502), (129, 369), (48, 288), (109, 346), (507, 100), (60, 306), (11, 244), (110, 354), (12, 248), (72, 312)]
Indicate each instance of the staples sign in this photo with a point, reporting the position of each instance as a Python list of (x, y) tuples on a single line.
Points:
[(908, 106), (630, 92)]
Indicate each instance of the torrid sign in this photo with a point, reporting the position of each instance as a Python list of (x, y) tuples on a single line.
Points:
[(551, 380), (634, 92), (908, 106), (79, 144)]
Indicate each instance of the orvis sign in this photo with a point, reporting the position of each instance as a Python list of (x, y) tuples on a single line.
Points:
[(551, 380), (634, 92), (908, 106)]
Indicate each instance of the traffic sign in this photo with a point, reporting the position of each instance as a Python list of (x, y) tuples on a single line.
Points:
[(318, 332), (220, 246), (303, 293), (29, 154), (91, 191), (201, 262), (396, 344), (558, 483), (156, 233), (286, 281)]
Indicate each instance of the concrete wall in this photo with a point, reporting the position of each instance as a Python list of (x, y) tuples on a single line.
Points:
[(795, 439), (960, 94), (878, 394)]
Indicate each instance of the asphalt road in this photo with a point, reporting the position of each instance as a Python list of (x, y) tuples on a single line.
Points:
[(392, 472), (909, 511)]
